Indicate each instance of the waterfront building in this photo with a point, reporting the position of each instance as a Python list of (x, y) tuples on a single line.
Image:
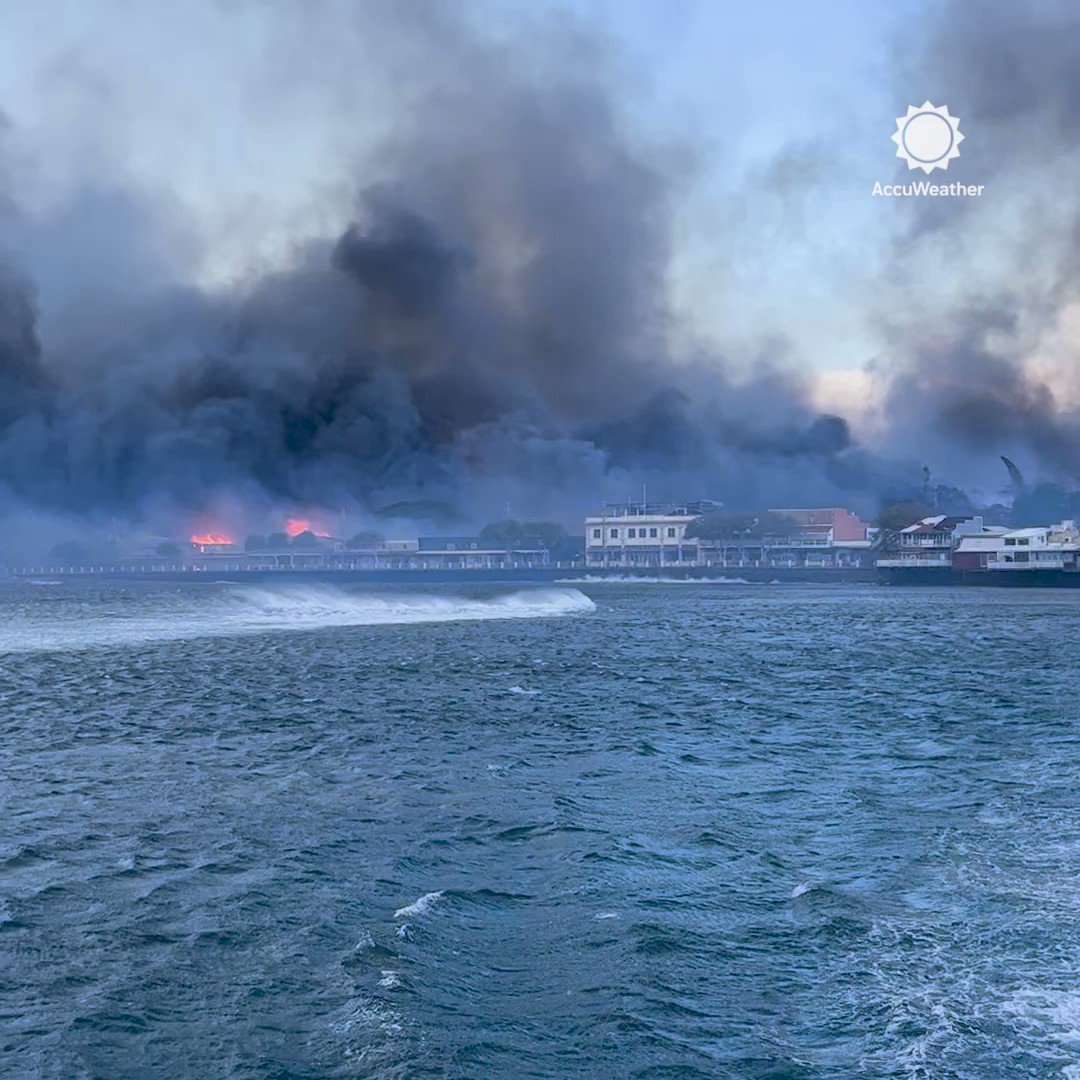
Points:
[(940, 543), (1050, 547), (640, 534), (831, 526), (636, 535), (474, 553), (828, 538), (932, 542), (975, 552)]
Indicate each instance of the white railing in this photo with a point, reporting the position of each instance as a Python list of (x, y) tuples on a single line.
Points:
[(1053, 562), (934, 563)]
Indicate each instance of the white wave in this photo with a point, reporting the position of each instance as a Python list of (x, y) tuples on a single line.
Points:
[(522, 690), (418, 907), (323, 605), (1053, 1013), (260, 609)]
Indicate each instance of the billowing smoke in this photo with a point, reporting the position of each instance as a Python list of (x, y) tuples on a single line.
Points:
[(491, 327), (487, 325), (986, 359)]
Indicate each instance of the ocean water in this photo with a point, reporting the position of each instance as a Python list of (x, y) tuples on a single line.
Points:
[(607, 830)]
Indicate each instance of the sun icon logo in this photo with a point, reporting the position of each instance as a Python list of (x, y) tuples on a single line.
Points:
[(928, 137)]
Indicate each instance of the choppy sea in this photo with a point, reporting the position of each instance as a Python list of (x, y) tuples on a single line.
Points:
[(595, 830)]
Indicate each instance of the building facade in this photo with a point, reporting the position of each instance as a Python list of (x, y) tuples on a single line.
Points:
[(1051, 547), (635, 535), (831, 525), (644, 535), (932, 543), (969, 545)]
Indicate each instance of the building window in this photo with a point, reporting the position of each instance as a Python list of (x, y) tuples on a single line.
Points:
[(631, 533), (596, 534), (451, 546), (652, 532), (614, 534), (671, 530)]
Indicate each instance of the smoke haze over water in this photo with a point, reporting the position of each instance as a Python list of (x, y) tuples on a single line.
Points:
[(474, 308)]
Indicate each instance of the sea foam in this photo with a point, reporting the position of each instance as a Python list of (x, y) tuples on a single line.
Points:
[(255, 609), (325, 605), (418, 907)]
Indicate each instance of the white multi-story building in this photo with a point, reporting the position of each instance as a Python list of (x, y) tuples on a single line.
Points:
[(1045, 547), (641, 534)]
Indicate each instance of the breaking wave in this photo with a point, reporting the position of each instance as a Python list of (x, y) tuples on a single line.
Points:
[(419, 907), (324, 605), (276, 607)]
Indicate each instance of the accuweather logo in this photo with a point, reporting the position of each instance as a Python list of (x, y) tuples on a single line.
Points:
[(927, 137)]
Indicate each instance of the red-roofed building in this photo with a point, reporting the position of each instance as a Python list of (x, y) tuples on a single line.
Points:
[(831, 525)]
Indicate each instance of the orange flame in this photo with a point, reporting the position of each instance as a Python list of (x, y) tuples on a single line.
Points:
[(212, 538), (296, 526)]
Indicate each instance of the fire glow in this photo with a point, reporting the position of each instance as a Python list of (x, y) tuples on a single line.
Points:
[(211, 538), (296, 526)]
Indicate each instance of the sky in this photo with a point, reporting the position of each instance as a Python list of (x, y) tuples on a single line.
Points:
[(198, 114), (743, 84)]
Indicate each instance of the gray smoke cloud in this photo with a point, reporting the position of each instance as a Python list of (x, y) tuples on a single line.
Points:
[(965, 375), (489, 326)]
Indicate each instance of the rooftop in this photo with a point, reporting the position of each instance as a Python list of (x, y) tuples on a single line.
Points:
[(693, 508), (980, 543), (938, 523)]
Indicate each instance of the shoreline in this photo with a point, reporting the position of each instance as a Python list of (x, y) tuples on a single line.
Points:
[(1053, 579)]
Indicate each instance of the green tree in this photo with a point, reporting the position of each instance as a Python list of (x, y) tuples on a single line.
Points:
[(549, 534), (894, 517), (365, 539), (503, 534), (277, 541), (720, 525), (770, 524), (255, 542), (510, 534), (898, 515), (306, 541), (168, 550)]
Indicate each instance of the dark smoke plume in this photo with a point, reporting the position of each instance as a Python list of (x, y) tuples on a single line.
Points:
[(966, 377), (490, 328)]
